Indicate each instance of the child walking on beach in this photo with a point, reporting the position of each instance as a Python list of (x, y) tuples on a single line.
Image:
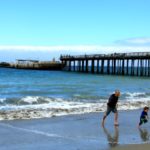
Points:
[(144, 116)]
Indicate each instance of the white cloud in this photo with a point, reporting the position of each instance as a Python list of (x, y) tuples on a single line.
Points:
[(10, 53), (135, 41), (76, 49), (139, 40)]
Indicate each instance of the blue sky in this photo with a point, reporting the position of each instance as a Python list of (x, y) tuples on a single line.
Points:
[(43, 29)]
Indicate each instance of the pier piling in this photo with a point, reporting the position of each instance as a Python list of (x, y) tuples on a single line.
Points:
[(133, 64)]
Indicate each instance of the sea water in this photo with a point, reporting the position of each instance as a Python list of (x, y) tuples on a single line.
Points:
[(36, 94)]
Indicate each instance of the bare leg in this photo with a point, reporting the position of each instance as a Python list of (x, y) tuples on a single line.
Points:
[(105, 115), (116, 119), (103, 121)]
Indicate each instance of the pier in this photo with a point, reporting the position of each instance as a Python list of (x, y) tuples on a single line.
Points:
[(132, 64)]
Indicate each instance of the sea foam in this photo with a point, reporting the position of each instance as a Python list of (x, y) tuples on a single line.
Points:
[(38, 107)]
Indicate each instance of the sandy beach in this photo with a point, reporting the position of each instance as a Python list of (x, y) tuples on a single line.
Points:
[(74, 132), (134, 147)]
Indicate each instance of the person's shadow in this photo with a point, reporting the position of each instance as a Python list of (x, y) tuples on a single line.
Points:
[(112, 138), (144, 134)]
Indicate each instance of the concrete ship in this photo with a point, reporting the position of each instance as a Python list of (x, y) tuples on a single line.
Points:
[(33, 65)]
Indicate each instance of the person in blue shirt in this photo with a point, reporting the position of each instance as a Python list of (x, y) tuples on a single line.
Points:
[(144, 116)]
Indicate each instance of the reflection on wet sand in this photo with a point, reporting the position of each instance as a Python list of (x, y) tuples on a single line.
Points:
[(144, 134), (112, 138)]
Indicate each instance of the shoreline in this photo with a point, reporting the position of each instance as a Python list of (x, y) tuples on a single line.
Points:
[(73, 132), (31, 114)]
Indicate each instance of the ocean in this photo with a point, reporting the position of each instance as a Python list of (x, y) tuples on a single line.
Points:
[(27, 94)]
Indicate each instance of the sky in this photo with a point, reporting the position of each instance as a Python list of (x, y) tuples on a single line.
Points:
[(43, 29)]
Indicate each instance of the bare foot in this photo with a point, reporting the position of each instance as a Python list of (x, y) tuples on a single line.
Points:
[(116, 124)]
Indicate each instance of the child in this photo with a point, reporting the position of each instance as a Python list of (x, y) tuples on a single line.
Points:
[(144, 116)]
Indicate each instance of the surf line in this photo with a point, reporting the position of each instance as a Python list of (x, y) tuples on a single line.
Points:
[(31, 131)]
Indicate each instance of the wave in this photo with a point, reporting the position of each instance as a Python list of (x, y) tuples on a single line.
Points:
[(135, 95), (28, 100), (40, 107)]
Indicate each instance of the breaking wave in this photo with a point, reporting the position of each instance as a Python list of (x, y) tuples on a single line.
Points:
[(39, 107)]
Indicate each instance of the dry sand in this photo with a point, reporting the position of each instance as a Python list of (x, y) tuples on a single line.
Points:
[(133, 147)]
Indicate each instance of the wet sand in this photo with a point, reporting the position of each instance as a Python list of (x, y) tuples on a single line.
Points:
[(73, 132)]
